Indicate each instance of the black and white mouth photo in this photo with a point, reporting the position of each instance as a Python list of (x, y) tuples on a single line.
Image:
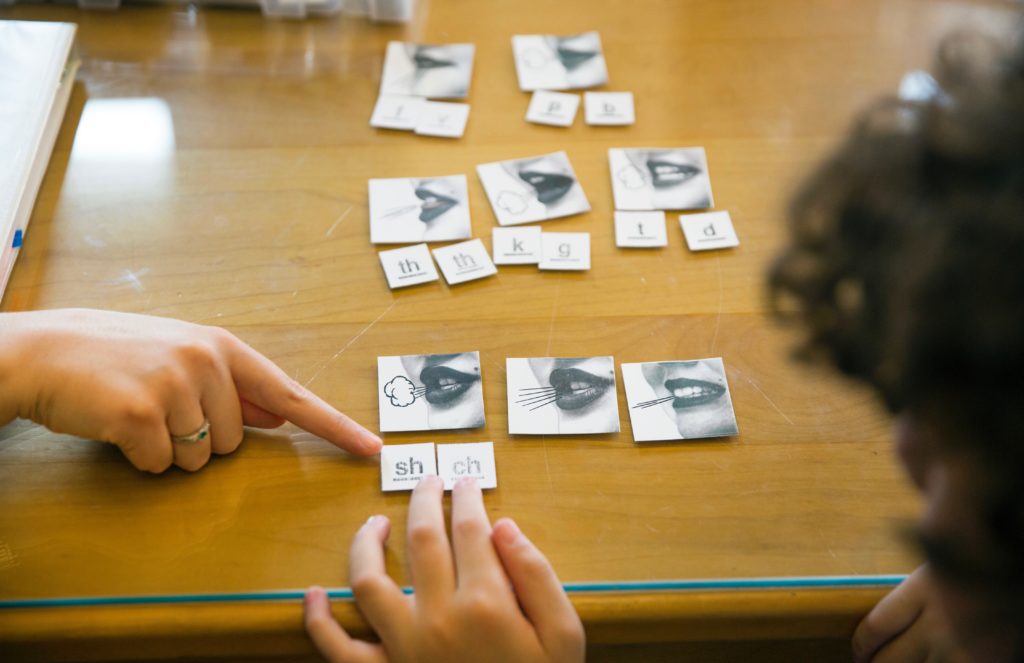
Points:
[(430, 392), (679, 400), (553, 62), (562, 395), (433, 71), (660, 179), (406, 210), (533, 189)]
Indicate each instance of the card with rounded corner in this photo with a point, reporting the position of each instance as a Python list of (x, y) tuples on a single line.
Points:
[(679, 400), (660, 178), (436, 71), (562, 396), (408, 266), (430, 392), (551, 62), (419, 209), (533, 189)]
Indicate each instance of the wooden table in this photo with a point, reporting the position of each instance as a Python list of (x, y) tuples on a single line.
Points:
[(213, 167)]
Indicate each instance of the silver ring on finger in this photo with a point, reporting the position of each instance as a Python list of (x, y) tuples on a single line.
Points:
[(201, 434)]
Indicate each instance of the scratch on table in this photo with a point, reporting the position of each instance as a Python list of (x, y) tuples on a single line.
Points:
[(770, 401), (7, 557), (718, 319), (349, 344), (131, 278), (337, 222)]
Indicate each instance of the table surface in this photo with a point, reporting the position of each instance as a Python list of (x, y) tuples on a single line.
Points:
[(213, 167)]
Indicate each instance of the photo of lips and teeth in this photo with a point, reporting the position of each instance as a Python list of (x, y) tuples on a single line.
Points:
[(533, 189), (660, 179), (430, 392), (441, 71), (408, 210), (679, 400), (550, 62), (562, 396)]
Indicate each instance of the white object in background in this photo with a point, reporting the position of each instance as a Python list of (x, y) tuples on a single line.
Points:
[(921, 87), (391, 11), (37, 70)]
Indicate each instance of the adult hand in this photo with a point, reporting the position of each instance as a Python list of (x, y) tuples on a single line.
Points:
[(906, 626), (489, 595), (137, 380)]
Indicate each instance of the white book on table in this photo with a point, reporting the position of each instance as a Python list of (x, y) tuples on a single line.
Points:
[(37, 70)]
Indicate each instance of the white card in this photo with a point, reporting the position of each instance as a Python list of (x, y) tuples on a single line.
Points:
[(403, 465), (710, 230), (473, 459), (419, 209), (609, 108), (554, 108), (556, 396), (679, 400), (397, 112), (655, 178), (533, 189), (443, 119), (410, 265), (424, 70), (640, 229), (516, 246), (566, 251), (430, 392), (465, 261), (390, 11), (549, 62)]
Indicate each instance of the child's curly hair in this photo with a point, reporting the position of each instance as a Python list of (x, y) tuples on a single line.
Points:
[(906, 266)]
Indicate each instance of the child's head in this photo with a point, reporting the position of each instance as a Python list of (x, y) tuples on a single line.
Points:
[(906, 268)]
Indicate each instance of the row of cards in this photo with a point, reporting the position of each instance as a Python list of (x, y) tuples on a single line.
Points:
[(402, 466), (534, 189), (427, 118), (703, 231), (668, 400), (415, 73), (445, 71), (558, 109), (449, 120), (529, 245), (468, 261)]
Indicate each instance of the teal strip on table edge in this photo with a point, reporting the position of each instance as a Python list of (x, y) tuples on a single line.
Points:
[(812, 582)]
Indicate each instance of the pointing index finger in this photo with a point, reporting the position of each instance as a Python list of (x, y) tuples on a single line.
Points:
[(262, 383)]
